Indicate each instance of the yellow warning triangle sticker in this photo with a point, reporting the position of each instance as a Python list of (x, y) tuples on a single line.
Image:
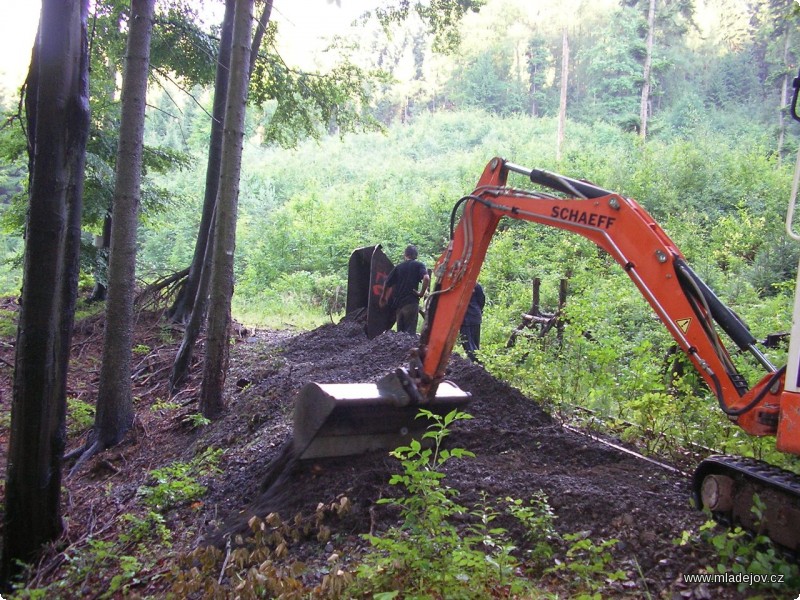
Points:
[(684, 324)]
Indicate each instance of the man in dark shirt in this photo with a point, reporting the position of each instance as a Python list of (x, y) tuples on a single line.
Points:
[(471, 325), (401, 285)]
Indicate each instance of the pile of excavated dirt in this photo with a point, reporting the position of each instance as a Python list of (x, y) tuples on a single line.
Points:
[(520, 451)]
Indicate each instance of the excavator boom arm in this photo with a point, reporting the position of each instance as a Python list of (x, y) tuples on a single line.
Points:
[(625, 230)]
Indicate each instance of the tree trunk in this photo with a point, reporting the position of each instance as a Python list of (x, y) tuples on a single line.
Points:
[(193, 299), (183, 358), (648, 62), (562, 108), (58, 124), (261, 29), (221, 284), (185, 302), (197, 285), (785, 99), (102, 244), (114, 414)]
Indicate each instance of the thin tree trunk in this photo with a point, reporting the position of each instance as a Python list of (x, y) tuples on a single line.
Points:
[(221, 286), (102, 243), (193, 299), (58, 120), (784, 95), (183, 358), (185, 302), (261, 29), (197, 287), (114, 414), (562, 109), (648, 62)]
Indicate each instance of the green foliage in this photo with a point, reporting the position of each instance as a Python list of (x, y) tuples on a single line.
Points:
[(589, 564), (109, 567), (443, 549), (141, 349), (180, 47), (427, 555), (151, 526), (305, 105), (441, 17), (178, 483), (8, 323), (487, 82), (196, 420), (80, 416), (164, 406), (736, 551), (540, 61), (615, 73), (85, 309), (540, 532)]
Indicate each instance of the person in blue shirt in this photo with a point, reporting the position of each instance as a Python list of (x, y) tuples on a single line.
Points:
[(471, 326), (401, 290)]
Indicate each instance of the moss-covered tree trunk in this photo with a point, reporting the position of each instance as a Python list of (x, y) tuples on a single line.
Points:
[(57, 108)]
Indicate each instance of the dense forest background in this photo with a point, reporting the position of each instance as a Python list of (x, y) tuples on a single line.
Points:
[(714, 167)]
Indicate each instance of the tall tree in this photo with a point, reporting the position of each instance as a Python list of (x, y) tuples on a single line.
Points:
[(648, 63), (785, 94), (184, 303), (303, 102), (221, 283), (57, 109), (669, 20), (613, 70), (562, 105), (538, 62), (114, 413), (191, 301)]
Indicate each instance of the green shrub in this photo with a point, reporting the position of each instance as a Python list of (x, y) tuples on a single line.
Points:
[(178, 483), (736, 551), (427, 555), (80, 416)]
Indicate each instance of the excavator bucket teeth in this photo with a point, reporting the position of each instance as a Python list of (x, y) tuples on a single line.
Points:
[(341, 419), (367, 270)]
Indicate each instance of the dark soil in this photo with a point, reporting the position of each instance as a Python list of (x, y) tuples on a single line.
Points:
[(520, 450)]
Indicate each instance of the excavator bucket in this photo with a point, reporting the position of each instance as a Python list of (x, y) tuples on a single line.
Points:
[(342, 419), (367, 271)]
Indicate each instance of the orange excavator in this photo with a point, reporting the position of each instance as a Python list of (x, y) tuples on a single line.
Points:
[(340, 419)]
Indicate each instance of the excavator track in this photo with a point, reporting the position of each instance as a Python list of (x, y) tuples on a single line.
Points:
[(726, 486)]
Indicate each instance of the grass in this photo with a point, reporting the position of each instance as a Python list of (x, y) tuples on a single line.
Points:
[(8, 323), (257, 312)]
